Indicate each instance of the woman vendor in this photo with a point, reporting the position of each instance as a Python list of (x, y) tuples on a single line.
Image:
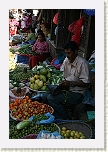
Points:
[(32, 36), (41, 47)]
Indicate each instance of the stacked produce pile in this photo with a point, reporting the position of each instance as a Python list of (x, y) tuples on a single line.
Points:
[(12, 63), (24, 49), (23, 109), (44, 75), (19, 75), (71, 134), (27, 128)]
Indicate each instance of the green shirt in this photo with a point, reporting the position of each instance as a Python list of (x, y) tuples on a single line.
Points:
[(32, 37)]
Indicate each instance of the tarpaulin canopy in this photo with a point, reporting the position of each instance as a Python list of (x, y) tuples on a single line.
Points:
[(89, 12)]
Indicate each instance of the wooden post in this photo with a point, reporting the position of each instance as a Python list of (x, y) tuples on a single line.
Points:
[(87, 45), (60, 29)]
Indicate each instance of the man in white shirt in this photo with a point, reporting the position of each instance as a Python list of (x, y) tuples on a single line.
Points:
[(77, 80)]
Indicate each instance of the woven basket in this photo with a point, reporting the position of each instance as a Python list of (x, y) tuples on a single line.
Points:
[(78, 126)]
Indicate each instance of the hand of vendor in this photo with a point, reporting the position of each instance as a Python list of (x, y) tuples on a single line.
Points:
[(33, 48), (65, 83)]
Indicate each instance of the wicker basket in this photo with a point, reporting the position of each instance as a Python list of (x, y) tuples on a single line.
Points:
[(78, 126)]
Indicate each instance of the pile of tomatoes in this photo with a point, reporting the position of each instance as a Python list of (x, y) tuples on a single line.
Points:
[(23, 109)]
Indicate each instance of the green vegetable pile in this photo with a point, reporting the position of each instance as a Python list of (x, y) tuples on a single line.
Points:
[(25, 49), (31, 129), (12, 123), (18, 75), (54, 76), (39, 118)]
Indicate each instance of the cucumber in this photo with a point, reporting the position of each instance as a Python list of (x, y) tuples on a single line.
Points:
[(23, 124)]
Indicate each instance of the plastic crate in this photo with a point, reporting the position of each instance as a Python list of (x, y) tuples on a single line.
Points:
[(21, 59)]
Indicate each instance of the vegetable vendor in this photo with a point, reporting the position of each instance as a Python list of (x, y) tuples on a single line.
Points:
[(41, 47), (32, 36), (77, 79)]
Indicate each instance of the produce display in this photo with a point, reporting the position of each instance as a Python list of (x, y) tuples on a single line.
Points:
[(13, 84), (31, 128), (12, 123), (21, 93), (23, 109), (48, 135), (40, 117), (44, 75), (12, 63), (19, 75), (24, 49), (71, 134)]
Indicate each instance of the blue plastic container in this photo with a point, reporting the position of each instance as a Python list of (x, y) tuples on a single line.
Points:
[(21, 59)]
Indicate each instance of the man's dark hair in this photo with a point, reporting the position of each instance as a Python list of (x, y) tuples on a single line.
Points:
[(71, 45), (32, 29), (39, 31)]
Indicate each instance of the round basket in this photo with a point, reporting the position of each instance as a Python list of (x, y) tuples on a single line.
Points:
[(57, 127), (12, 96), (78, 126), (30, 136), (12, 117)]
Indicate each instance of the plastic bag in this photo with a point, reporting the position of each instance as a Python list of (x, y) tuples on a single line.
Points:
[(55, 63), (75, 28), (55, 19), (48, 121), (15, 97), (43, 134)]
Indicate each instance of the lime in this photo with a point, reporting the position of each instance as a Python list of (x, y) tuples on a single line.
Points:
[(67, 134), (72, 133), (63, 129)]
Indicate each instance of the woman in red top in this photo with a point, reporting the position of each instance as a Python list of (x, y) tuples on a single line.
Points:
[(41, 47)]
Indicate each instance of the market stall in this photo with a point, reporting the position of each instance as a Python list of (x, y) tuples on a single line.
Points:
[(29, 118)]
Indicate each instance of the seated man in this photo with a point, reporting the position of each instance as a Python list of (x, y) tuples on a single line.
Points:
[(77, 79)]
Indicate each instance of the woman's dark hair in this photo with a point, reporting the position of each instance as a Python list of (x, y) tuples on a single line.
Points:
[(71, 45), (42, 34)]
